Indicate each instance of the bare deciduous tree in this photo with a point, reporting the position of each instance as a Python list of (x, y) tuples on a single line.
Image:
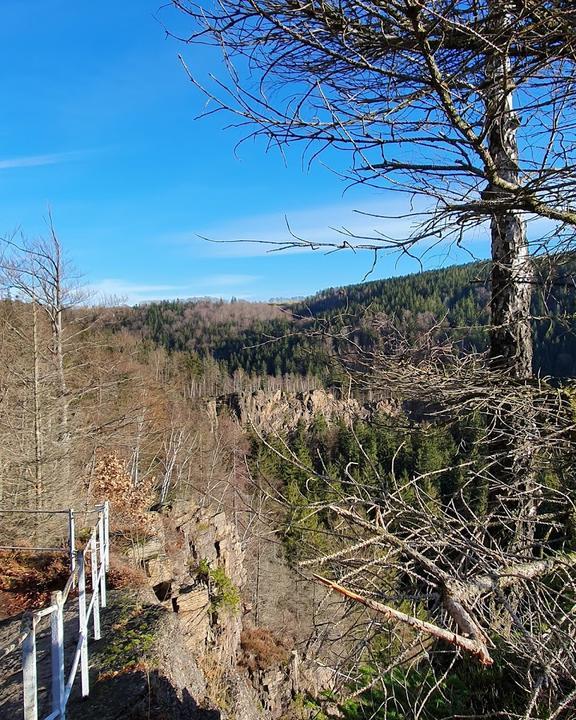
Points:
[(36, 274), (467, 108), (467, 105)]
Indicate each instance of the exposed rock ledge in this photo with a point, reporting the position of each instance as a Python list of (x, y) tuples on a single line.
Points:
[(282, 410), (187, 541)]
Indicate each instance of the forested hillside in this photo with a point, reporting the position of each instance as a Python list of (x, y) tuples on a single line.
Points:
[(356, 505), (124, 403), (266, 339)]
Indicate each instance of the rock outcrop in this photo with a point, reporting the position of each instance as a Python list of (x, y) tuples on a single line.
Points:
[(193, 553), (176, 647), (281, 411), (195, 566)]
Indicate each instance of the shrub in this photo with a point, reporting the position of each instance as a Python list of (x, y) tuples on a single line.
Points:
[(124, 574), (223, 593), (261, 649), (129, 503)]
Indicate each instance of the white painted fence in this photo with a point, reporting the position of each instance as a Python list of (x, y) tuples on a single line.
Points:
[(97, 548)]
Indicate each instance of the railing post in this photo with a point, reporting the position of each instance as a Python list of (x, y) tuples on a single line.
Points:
[(57, 655), (95, 588), (107, 533), (102, 548), (72, 542), (29, 668), (82, 624)]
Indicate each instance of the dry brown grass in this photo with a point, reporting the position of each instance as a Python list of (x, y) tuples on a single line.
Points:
[(262, 649), (27, 581), (124, 574)]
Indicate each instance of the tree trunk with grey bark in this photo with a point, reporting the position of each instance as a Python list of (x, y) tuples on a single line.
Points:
[(38, 479), (510, 333), (511, 337)]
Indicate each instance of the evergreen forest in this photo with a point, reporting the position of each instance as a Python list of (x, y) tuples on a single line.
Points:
[(300, 338)]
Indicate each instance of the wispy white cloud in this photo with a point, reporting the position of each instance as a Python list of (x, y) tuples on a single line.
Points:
[(119, 290), (257, 235), (28, 161), (389, 217), (228, 280)]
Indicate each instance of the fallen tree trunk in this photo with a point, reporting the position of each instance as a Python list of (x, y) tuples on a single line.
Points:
[(474, 646)]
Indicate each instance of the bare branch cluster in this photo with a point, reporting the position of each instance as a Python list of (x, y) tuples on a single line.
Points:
[(403, 88)]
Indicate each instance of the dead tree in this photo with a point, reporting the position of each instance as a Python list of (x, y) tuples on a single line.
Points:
[(37, 275), (466, 107)]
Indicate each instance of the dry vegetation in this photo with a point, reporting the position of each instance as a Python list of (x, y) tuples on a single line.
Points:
[(262, 649), (86, 413), (27, 580)]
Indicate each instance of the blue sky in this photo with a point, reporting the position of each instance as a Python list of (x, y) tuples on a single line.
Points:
[(98, 124)]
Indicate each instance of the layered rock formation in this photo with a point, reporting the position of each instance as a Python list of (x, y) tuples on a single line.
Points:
[(195, 567), (181, 645), (281, 411)]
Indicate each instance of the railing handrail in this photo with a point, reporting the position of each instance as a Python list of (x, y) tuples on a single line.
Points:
[(98, 547), (62, 511), (71, 529)]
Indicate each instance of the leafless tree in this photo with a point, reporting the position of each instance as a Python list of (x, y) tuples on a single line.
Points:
[(59, 385), (467, 108), (36, 275), (465, 105)]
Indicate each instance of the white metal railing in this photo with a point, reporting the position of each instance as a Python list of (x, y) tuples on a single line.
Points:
[(98, 550), (71, 522)]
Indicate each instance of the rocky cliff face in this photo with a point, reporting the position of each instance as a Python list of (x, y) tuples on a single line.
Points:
[(281, 411), (195, 567), (182, 645)]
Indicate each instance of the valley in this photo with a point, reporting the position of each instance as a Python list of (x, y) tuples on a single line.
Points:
[(260, 420)]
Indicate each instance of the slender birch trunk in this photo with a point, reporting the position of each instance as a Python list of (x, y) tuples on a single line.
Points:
[(56, 313), (38, 480), (511, 336)]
